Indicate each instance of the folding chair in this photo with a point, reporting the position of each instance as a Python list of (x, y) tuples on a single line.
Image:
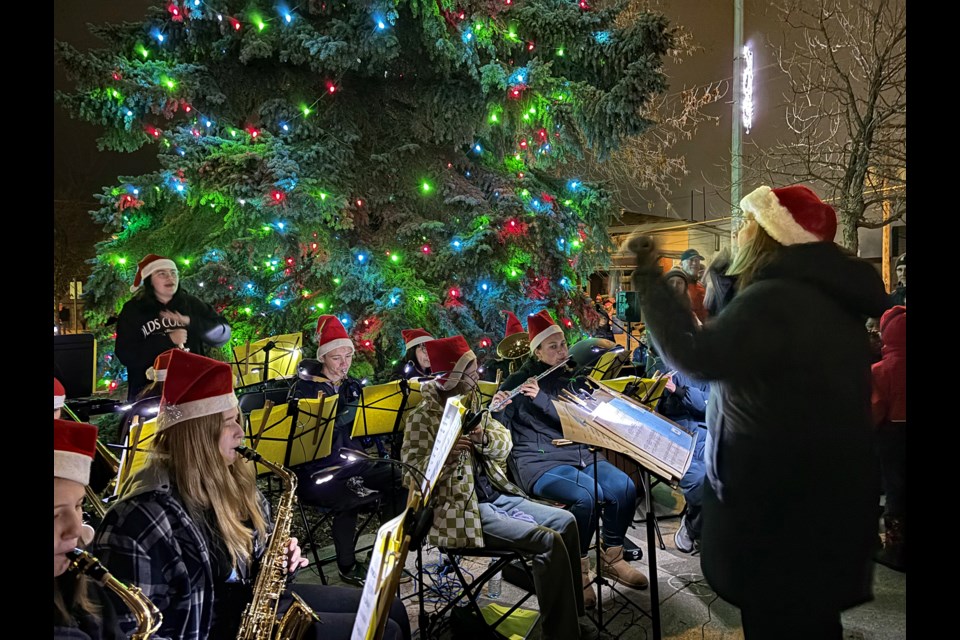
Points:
[(473, 588)]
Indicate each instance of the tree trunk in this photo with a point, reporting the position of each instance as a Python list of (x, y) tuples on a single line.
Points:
[(848, 232)]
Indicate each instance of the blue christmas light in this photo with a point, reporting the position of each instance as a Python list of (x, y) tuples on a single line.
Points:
[(157, 35), (285, 126), (456, 244), (467, 36), (602, 37), (484, 286), (381, 25), (477, 148), (519, 76), (345, 321), (564, 281), (573, 185), (249, 285), (129, 113), (278, 302), (393, 299), (280, 225), (361, 257), (208, 123)]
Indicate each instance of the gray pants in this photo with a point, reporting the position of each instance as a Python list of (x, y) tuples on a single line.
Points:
[(554, 543)]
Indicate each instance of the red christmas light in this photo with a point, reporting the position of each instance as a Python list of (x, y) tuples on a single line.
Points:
[(529, 46), (523, 144), (484, 343), (454, 293), (520, 174), (174, 12), (359, 202), (313, 246), (515, 93), (235, 23), (277, 196), (542, 133), (116, 75), (290, 261), (331, 88), (425, 248), (584, 5), (567, 323)]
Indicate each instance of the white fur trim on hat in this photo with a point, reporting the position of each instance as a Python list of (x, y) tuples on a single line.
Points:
[(171, 414), (543, 335), (453, 378), (58, 402), (324, 349), (416, 341), (156, 265), (775, 219), (72, 466)]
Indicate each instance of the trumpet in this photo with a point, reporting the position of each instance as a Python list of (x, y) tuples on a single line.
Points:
[(149, 618), (569, 363)]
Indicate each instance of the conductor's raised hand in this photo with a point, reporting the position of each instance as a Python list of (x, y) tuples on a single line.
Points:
[(645, 250)]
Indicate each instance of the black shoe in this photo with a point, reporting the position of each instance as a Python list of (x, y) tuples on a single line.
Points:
[(355, 576)]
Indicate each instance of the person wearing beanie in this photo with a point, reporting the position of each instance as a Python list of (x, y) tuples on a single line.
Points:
[(160, 315), (351, 486), (566, 474), (414, 363), (190, 526), (691, 263), (59, 397), (476, 506), (889, 402), (899, 295), (788, 418), (81, 609)]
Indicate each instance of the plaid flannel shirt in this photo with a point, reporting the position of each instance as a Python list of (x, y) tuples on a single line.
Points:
[(148, 540), (456, 520)]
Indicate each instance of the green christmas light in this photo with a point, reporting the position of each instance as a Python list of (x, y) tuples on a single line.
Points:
[(395, 257), (306, 110), (493, 118), (421, 298), (524, 193), (169, 83), (142, 50), (185, 261), (336, 280), (121, 261), (560, 52), (258, 21), (321, 305), (247, 310), (426, 187)]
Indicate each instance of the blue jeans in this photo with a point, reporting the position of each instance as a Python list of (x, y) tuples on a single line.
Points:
[(550, 534), (574, 488), (692, 484)]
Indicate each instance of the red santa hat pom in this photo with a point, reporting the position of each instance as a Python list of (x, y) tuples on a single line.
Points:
[(413, 337), (513, 324), (158, 372), (791, 215), (331, 335), (449, 358), (196, 386), (541, 326), (74, 446), (59, 395), (147, 266)]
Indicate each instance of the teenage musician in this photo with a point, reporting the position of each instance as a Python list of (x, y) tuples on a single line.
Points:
[(415, 363), (566, 474), (191, 528)]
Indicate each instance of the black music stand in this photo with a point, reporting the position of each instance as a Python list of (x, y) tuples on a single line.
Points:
[(289, 344)]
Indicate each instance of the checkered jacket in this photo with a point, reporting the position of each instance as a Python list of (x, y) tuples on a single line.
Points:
[(147, 539), (456, 520)]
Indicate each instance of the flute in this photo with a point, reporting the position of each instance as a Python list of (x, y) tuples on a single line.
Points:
[(494, 407)]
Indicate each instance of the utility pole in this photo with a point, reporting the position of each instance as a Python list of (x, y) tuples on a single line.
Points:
[(735, 133)]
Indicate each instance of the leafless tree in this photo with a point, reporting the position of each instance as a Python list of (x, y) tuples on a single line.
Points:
[(846, 62), (649, 161)]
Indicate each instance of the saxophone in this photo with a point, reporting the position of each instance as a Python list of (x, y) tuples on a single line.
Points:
[(148, 616), (260, 616)]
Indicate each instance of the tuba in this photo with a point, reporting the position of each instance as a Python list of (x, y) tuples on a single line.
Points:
[(148, 616), (260, 616), (513, 348)]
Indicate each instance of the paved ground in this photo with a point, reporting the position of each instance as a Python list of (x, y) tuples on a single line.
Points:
[(689, 609)]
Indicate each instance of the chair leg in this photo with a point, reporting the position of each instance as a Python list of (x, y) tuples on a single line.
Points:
[(311, 541)]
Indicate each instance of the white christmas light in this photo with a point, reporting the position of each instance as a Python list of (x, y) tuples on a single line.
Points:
[(747, 89)]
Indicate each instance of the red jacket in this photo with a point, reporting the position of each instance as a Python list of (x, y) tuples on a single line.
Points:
[(889, 398), (696, 292)]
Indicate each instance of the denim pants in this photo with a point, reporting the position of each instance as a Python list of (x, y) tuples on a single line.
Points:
[(575, 488), (552, 539), (692, 485)]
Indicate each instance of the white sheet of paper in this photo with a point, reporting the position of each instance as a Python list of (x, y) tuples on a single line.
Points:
[(447, 434), (371, 586)]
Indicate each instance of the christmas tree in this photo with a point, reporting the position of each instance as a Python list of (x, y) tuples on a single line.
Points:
[(396, 163)]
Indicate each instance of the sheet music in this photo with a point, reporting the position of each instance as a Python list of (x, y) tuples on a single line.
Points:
[(447, 435), (648, 430), (382, 563)]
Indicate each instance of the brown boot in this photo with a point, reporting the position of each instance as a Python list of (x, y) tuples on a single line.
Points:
[(614, 566), (589, 593)]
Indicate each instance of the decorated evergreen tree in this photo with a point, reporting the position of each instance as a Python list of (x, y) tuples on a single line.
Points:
[(396, 163)]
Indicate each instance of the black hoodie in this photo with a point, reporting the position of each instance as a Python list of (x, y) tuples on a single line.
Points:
[(790, 451)]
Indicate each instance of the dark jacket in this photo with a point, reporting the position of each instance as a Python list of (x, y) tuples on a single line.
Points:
[(791, 445), (142, 333), (534, 424), (687, 405)]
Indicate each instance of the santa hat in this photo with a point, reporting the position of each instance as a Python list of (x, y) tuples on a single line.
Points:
[(331, 335), (147, 266), (196, 386), (59, 394), (791, 215), (513, 324), (413, 337), (541, 326), (74, 446), (449, 357), (158, 372)]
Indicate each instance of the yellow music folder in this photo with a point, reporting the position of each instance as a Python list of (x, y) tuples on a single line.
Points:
[(285, 352), (379, 409), (387, 559)]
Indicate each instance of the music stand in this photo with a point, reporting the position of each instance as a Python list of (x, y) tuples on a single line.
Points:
[(387, 559), (485, 392), (297, 432), (139, 438), (266, 359)]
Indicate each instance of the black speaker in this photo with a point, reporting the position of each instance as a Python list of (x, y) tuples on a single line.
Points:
[(628, 306), (74, 363)]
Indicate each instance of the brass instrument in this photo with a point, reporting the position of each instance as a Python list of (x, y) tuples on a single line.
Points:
[(513, 348), (106, 456), (148, 616), (260, 616)]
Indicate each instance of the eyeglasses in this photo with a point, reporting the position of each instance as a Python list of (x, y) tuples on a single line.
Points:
[(167, 273)]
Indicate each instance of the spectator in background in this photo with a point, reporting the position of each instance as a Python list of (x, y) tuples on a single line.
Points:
[(63, 316), (899, 295), (690, 263), (873, 334), (719, 287), (889, 402)]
